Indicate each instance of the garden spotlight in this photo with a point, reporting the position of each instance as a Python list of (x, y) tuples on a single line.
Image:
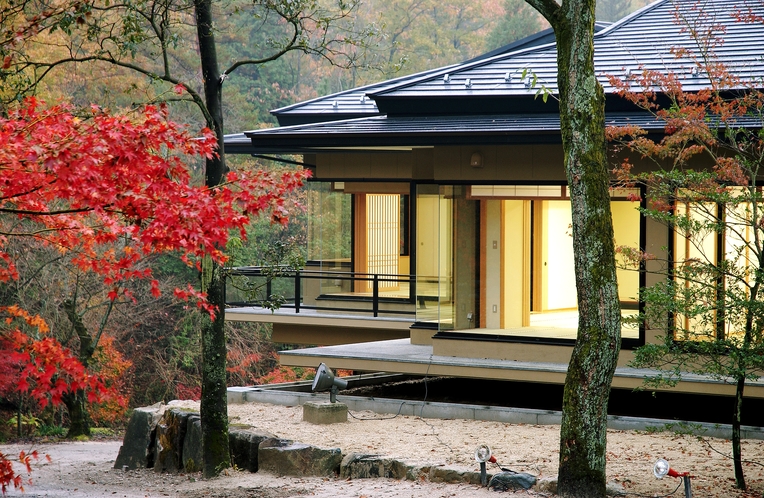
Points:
[(326, 381), (483, 455), (662, 469)]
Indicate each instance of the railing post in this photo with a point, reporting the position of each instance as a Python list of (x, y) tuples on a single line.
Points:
[(268, 288), (375, 295), (297, 291)]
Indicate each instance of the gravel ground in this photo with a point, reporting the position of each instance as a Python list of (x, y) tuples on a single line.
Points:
[(84, 469)]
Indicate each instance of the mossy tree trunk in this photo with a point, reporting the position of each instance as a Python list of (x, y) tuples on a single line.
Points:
[(214, 404), (583, 433), (79, 417), (76, 402)]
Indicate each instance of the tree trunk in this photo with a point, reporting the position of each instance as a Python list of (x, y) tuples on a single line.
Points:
[(583, 432), (214, 404), (736, 452), (79, 420), (76, 403)]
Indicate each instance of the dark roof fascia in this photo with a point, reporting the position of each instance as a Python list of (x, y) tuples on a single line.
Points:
[(365, 144), (423, 131), (381, 132), (435, 105)]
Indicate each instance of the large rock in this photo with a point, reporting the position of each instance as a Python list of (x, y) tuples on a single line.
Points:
[(170, 435), (511, 481), (361, 466), (137, 450), (191, 454), (244, 443), (287, 458)]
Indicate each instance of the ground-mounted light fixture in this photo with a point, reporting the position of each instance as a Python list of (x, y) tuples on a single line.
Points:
[(662, 469), (325, 380), (483, 455)]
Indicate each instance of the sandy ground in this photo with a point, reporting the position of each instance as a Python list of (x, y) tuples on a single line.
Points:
[(84, 470)]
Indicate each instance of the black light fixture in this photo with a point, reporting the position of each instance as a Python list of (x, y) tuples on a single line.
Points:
[(476, 160), (326, 381)]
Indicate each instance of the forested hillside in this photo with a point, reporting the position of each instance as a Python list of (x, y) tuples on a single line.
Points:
[(159, 337)]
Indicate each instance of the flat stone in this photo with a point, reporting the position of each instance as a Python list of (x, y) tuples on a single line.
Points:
[(511, 481), (137, 450), (244, 443), (324, 412), (362, 466), (418, 473), (287, 458), (440, 474)]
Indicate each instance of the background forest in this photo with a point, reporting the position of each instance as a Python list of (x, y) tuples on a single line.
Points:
[(149, 347)]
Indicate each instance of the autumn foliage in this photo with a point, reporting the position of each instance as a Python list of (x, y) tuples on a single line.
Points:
[(107, 191), (112, 189)]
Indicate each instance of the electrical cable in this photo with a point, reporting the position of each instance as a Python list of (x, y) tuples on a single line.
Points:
[(379, 418), (654, 496), (424, 401)]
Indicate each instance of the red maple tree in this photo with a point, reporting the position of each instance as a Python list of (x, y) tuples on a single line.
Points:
[(106, 191)]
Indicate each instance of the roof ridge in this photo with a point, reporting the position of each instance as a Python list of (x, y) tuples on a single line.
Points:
[(352, 90), (473, 63), (629, 18)]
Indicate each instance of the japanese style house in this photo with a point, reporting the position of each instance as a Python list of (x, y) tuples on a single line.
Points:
[(439, 216)]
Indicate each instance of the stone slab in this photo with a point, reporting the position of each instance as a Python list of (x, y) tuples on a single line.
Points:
[(324, 413), (288, 458), (137, 450)]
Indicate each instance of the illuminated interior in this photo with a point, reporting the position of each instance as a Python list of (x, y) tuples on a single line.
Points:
[(488, 259), (504, 257), (705, 255)]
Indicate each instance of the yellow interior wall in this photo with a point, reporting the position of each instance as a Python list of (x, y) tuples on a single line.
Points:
[(427, 236), (514, 260), (434, 251), (558, 276), (493, 262), (626, 233)]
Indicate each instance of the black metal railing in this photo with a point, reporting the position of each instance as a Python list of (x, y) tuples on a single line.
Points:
[(299, 289)]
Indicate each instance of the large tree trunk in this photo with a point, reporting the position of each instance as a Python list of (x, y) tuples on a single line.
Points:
[(583, 433), (79, 419), (76, 402), (214, 405)]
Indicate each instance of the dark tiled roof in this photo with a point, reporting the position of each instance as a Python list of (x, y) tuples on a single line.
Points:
[(355, 103), (497, 106), (402, 131), (644, 39)]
